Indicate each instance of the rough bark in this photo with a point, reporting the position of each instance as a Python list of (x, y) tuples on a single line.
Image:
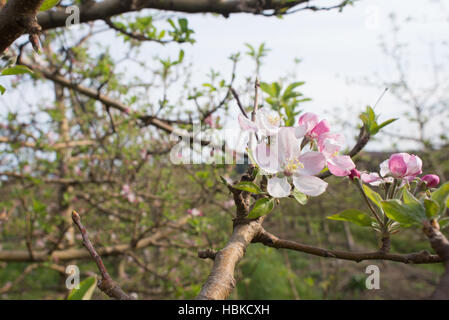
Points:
[(440, 244), (18, 17), (221, 280)]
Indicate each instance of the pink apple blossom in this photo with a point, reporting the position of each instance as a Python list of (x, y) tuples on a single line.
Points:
[(194, 212), (314, 128), (27, 169), (329, 145), (401, 165), (374, 179), (283, 157), (267, 122), (432, 180), (210, 121)]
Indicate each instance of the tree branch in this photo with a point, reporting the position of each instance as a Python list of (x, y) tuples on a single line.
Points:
[(108, 8), (106, 284), (270, 240), (440, 244)]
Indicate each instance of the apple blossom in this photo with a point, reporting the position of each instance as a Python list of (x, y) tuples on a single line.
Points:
[(314, 128), (399, 165), (402, 165), (283, 157), (267, 122), (329, 145), (210, 121), (194, 212)]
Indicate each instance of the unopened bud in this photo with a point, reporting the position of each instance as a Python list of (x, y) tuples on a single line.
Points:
[(354, 174), (432, 180)]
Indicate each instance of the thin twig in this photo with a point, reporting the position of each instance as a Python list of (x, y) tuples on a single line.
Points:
[(107, 285)]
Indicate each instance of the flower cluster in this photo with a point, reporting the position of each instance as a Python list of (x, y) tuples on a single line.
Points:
[(281, 152), (403, 166)]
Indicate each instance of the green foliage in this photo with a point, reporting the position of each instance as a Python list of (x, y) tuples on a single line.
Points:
[(299, 196), (265, 276), (286, 102), (248, 186), (432, 208), (353, 215), (181, 31), (48, 4), (16, 70), (406, 215), (373, 196), (257, 54), (85, 290), (441, 197), (262, 207), (370, 121)]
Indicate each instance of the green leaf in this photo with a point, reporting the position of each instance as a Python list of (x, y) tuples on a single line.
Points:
[(397, 211), (2, 90), (432, 208), (384, 124), (373, 196), (85, 290), (48, 4), (18, 69), (299, 196), (353, 215), (413, 205), (441, 196), (443, 223), (262, 207), (248, 186), (267, 89), (183, 24)]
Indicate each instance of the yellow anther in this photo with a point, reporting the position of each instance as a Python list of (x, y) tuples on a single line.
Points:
[(292, 165), (274, 120)]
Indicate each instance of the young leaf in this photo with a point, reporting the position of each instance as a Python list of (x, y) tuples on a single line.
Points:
[(353, 215), (432, 208), (384, 124), (85, 290), (248, 186), (267, 89), (18, 69), (262, 207), (413, 205), (398, 212), (373, 196), (48, 4), (441, 196), (444, 223), (299, 196)]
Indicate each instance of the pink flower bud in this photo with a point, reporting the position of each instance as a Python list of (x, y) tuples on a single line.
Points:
[(432, 180), (354, 174)]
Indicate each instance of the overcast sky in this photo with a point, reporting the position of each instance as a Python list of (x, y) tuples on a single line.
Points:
[(334, 47)]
